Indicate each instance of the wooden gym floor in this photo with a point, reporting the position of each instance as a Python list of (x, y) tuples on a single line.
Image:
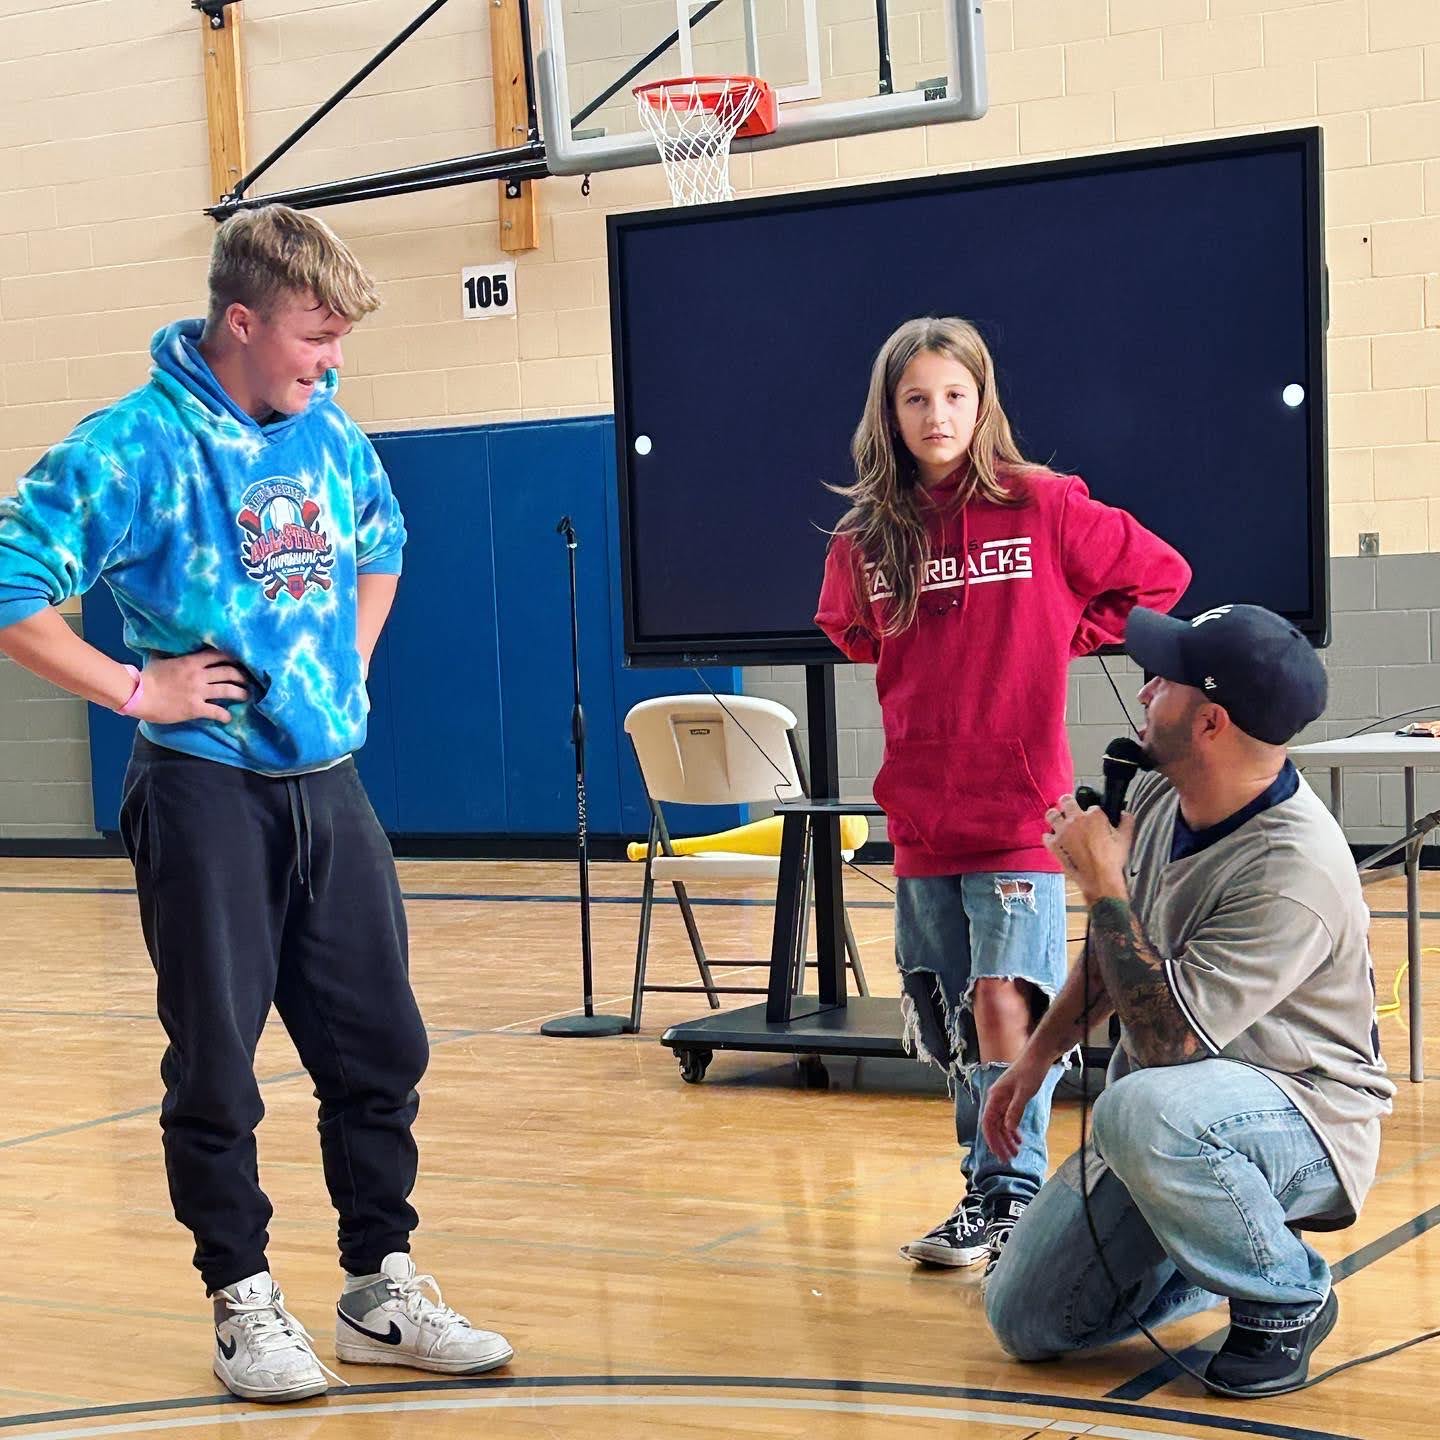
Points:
[(668, 1259)]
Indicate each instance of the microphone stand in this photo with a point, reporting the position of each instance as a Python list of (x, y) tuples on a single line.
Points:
[(588, 1023)]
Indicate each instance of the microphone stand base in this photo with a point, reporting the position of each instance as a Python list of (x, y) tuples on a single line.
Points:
[(579, 1025)]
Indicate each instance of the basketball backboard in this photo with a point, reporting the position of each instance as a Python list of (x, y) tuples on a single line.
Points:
[(839, 67)]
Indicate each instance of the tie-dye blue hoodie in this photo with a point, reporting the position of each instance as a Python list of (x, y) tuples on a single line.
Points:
[(213, 529)]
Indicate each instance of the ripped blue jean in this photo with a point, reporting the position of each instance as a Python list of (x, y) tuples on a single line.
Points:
[(950, 931)]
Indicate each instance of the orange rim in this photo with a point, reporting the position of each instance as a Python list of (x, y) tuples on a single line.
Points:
[(709, 100)]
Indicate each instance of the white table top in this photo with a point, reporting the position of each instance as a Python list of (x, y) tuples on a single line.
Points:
[(1371, 752)]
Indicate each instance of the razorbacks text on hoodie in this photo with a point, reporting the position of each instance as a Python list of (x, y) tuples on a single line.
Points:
[(972, 694), (213, 529)]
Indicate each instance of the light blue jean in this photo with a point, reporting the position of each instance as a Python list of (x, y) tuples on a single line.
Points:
[(951, 931), (1205, 1167)]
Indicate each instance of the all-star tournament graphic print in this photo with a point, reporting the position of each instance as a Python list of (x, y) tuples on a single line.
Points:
[(285, 549)]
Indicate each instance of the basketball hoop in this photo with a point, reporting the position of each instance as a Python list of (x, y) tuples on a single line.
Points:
[(693, 120)]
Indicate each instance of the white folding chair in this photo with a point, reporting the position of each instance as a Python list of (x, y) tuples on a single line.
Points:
[(715, 750)]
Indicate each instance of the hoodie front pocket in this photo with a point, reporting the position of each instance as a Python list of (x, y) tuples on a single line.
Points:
[(966, 794)]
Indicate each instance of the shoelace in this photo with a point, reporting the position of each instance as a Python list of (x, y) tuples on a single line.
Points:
[(967, 1215), (418, 1306), (272, 1327), (1000, 1234)]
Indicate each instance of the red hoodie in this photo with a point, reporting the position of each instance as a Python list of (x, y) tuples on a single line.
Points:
[(972, 695)]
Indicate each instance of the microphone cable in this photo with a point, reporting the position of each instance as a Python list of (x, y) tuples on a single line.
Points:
[(784, 778)]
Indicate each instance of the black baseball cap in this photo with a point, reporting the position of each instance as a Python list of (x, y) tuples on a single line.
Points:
[(1250, 660)]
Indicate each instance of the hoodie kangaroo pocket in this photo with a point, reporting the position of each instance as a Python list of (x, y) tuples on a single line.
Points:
[(962, 795)]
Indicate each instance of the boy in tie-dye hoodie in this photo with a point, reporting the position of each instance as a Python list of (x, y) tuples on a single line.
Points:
[(251, 540)]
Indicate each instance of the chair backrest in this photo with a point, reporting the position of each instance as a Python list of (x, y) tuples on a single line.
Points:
[(704, 750)]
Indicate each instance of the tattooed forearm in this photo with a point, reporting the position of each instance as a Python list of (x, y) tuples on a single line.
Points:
[(1156, 1030)]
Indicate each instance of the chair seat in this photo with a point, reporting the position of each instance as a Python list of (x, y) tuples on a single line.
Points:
[(717, 865), (720, 865)]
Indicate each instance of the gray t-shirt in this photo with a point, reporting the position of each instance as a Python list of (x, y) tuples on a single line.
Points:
[(1265, 937)]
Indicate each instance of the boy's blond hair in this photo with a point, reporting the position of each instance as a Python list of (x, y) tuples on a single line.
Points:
[(263, 254)]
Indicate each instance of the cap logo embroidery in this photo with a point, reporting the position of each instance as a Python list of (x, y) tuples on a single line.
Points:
[(1214, 614)]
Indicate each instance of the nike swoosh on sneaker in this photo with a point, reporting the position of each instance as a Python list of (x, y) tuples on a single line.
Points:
[(392, 1338), (227, 1349)]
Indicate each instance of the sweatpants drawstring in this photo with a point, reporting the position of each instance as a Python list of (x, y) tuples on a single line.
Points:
[(300, 823)]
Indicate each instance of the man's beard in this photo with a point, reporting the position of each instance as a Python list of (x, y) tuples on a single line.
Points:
[(1169, 744)]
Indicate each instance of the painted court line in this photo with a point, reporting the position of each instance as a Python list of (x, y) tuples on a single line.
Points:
[(1148, 1381), (595, 1391)]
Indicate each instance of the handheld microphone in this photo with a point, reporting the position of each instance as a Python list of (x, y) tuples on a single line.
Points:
[(1124, 759)]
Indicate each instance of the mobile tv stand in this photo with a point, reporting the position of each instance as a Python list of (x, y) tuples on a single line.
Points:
[(786, 1024)]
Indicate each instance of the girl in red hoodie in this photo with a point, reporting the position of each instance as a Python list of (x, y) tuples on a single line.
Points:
[(970, 578)]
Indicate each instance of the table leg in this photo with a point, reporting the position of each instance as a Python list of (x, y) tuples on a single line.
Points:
[(829, 910), (789, 896), (1412, 929)]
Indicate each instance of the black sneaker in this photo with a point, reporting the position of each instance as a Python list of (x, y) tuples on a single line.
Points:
[(956, 1241), (1269, 1362), (998, 1228)]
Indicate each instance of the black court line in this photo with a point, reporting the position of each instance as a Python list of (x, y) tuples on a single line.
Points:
[(1222, 1423), (441, 1035), (696, 900), (508, 899), (67, 890), (1162, 1374), (78, 1014)]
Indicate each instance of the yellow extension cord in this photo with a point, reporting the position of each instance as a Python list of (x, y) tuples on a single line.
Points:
[(1395, 1007)]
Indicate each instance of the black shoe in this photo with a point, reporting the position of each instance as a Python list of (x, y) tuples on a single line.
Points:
[(1269, 1362), (957, 1241), (998, 1228)]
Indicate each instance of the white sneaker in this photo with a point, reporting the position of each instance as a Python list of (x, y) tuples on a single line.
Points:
[(261, 1351), (393, 1322)]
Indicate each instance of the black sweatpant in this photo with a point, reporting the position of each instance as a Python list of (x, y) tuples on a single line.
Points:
[(256, 890)]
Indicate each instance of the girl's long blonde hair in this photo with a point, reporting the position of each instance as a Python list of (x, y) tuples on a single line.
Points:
[(885, 521)]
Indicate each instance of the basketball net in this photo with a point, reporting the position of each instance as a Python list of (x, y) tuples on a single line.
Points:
[(692, 122)]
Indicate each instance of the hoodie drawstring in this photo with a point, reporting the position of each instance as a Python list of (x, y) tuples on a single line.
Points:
[(964, 558)]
